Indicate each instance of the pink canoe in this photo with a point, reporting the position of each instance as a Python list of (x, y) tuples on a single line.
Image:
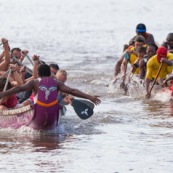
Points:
[(45, 119), (44, 115)]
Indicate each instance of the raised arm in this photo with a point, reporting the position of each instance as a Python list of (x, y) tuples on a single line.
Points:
[(6, 61)]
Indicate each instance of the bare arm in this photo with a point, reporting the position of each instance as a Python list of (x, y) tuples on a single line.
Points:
[(15, 75), (168, 62), (142, 69), (17, 78), (26, 87), (36, 60), (5, 62), (147, 83), (118, 66), (148, 91), (78, 93), (124, 69)]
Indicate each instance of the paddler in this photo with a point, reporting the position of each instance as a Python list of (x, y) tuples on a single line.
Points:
[(162, 56), (130, 56), (45, 79)]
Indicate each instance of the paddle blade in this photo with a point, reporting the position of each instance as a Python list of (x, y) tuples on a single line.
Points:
[(87, 102), (82, 109)]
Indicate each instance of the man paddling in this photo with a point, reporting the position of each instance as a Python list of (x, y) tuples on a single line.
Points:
[(45, 73), (130, 56), (162, 58), (150, 51)]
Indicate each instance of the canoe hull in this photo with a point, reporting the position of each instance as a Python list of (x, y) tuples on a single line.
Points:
[(44, 119)]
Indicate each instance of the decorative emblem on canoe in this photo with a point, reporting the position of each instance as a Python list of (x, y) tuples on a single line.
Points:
[(47, 90)]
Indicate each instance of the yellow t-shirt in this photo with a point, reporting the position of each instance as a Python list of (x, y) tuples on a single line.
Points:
[(132, 58), (153, 67)]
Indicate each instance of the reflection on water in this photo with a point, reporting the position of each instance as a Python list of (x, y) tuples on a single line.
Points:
[(40, 143), (45, 143)]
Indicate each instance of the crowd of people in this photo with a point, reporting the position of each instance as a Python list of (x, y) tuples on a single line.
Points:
[(148, 60), (19, 85)]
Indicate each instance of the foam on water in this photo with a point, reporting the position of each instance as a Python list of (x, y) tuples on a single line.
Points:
[(162, 95)]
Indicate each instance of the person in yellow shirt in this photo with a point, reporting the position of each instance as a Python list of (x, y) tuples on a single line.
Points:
[(140, 57), (150, 52), (162, 56), (130, 56)]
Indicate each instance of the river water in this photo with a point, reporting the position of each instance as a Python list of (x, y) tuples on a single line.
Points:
[(126, 133)]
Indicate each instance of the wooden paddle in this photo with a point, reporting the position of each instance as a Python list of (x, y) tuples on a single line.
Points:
[(6, 83), (83, 108), (149, 93), (4, 74), (30, 60), (8, 77)]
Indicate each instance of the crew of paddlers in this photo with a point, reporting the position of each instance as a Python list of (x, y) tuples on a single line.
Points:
[(19, 85), (149, 61)]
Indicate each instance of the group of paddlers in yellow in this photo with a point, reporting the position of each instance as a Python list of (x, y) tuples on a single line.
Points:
[(149, 61)]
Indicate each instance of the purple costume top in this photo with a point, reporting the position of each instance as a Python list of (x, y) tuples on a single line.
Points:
[(46, 110), (47, 92)]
